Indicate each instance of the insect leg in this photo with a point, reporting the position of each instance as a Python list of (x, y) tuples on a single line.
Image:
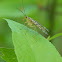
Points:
[(24, 19), (34, 31), (27, 28), (25, 23)]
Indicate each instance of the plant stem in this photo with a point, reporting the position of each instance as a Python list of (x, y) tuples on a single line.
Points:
[(52, 16)]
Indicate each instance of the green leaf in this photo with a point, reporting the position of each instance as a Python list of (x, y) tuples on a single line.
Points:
[(30, 46), (57, 35), (8, 55)]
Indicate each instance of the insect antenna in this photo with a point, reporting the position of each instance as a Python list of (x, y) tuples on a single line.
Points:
[(22, 11), (23, 7)]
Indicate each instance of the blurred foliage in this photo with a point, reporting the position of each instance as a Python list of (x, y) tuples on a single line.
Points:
[(46, 12), (8, 55)]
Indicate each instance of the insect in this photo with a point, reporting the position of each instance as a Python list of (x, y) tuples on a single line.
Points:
[(30, 22)]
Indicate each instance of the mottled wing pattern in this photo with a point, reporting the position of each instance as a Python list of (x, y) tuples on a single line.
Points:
[(44, 29)]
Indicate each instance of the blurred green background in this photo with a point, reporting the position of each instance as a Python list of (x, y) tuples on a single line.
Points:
[(46, 12)]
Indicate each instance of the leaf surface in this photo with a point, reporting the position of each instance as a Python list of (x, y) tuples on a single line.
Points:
[(30, 46)]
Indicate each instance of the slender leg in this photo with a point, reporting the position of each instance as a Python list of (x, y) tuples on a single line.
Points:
[(34, 31), (25, 23), (27, 28), (24, 18)]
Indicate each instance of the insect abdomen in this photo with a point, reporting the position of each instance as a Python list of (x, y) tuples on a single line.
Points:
[(39, 26)]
